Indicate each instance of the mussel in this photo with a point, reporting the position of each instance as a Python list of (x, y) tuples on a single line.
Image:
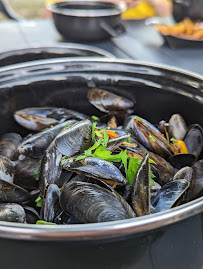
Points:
[(91, 203), (12, 213)]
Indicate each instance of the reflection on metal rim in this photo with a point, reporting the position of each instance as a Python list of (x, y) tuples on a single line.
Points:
[(116, 229)]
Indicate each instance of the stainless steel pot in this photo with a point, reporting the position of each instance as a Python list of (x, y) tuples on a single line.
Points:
[(88, 20), (171, 239)]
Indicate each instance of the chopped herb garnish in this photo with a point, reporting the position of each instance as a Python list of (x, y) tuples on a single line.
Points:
[(40, 161), (106, 138), (96, 145), (128, 140), (98, 134), (93, 129), (95, 118), (51, 126), (39, 201), (80, 158), (152, 138), (151, 161), (36, 175), (133, 167), (42, 222), (63, 160), (152, 183), (174, 140), (138, 118), (68, 124)]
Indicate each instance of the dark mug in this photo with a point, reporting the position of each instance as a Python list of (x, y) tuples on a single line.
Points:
[(188, 8)]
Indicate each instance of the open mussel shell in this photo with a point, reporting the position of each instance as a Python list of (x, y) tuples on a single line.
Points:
[(50, 208), (128, 125), (169, 195), (114, 143), (8, 144), (141, 201), (153, 140), (165, 169), (36, 145), (57, 113), (26, 172), (108, 102), (12, 213), (194, 140), (181, 160), (198, 179), (51, 168), (96, 168), (177, 127), (185, 173), (90, 203), (75, 138), (32, 215), (6, 169), (11, 193), (33, 122)]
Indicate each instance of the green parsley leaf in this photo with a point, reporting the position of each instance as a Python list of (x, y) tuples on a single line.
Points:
[(99, 134), (152, 183), (151, 161), (63, 160), (51, 126), (93, 129), (96, 145), (124, 158), (39, 201), (80, 158), (138, 118), (128, 140), (42, 222), (36, 175), (88, 153), (68, 124), (106, 138), (174, 140), (40, 161), (103, 154), (133, 167), (95, 118), (152, 138)]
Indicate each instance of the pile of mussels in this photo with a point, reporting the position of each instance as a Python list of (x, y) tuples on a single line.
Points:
[(74, 168)]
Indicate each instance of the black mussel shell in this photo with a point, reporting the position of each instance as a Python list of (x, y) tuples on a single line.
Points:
[(6, 169), (169, 194), (50, 208), (12, 213), (177, 127), (194, 140), (141, 189), (51, 168), (96, 168), (108, 102), (181, 160), (75, 138), (91, 203), (8, 144), (32, 215), (198, 179)]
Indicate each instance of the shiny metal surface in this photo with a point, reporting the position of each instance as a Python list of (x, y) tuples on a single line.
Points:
[(111, 229)]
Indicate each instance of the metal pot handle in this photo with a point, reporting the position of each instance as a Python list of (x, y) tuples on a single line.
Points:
[(113, 31), (8, 12)]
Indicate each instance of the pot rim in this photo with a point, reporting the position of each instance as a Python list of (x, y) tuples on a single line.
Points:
[(107, 230), (120, 7)]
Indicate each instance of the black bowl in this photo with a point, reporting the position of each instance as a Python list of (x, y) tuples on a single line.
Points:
[(87, 20), (170, 239)]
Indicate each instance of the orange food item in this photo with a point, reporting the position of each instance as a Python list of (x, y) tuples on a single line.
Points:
[(110, 133), (185, 29), (179, 147)]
